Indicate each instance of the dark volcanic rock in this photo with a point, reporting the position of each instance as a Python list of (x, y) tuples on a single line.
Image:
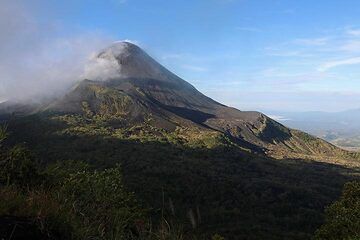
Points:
[(124, 82), (125, 74)]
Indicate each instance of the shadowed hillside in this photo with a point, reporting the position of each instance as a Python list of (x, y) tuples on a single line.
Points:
[(224, 188), (217, 169), (131, 87)]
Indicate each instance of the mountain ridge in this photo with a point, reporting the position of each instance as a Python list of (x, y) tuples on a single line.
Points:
[(189, 158), (135, 88)]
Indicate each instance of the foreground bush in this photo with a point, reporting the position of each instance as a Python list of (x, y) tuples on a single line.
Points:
[(101, 205), (343, 217), (17, 164), (87, 206), (67, 200)]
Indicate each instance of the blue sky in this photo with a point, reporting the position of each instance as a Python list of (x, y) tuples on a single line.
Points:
[(251, 54)]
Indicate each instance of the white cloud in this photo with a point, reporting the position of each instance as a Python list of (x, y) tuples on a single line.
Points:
[(329, 65), (353, 32), (195, 68), (340, 48), (136, 42), (35, 61), (312, 41), (101, 69), (279, 118), (287, 53), (351, 46)]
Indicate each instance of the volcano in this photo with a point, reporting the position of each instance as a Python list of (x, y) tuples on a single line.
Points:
[(124, 82), (222, 170)]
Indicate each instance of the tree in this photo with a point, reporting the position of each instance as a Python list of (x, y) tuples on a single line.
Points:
[(342, 218)]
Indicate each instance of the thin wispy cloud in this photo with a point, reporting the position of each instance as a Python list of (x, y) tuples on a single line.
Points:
[(353, 32), (312, 41), (284, 79), (351, 46), (338, 49), (279, 118), (207, 41), (136, 42), (287, 53), (329, 65)]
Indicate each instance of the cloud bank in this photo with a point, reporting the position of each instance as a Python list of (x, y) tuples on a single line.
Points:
[(100, 69), (35, 60)]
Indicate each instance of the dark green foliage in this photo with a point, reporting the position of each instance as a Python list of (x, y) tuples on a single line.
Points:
[(39, 207), (59, 171), (343, 217), (88, 205), (3, 133), (17, 165), (65, 205), (185, 157), (105, 209), (70, 202), (19, 168), (226, 190), (217, 237)]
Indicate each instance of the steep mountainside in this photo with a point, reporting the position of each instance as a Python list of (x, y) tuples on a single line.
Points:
[(187, 158), (129, 85)]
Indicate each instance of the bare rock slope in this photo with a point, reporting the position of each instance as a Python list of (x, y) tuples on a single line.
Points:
[(130, 84)]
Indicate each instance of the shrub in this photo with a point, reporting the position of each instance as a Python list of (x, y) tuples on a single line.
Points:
[(105, 210), (342, 219), (39, 208), (217, 237), (17, 164)]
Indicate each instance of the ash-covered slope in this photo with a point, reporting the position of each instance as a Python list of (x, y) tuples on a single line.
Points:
[(129, 83), (125, 83), (176, 144)]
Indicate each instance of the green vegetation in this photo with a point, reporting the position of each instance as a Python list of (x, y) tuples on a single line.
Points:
[(103, 208), (191, 168), (17, 165), (342, 220), (100, 125), (63, 201), (193, 182)]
